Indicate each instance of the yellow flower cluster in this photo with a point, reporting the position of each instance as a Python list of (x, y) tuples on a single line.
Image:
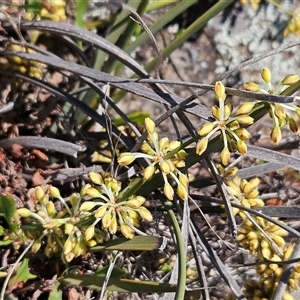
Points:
[(233, 132), (262, 238), (106, 205), (61, 230), (245, 192), (72, 230), (279, 112), (163, 155), (22, 65), (50, 9)]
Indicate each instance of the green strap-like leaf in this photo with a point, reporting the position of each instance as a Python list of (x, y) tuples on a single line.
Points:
[(138, 243), (119, 285)]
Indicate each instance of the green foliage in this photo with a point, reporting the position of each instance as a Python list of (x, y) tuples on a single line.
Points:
[(22, 275)]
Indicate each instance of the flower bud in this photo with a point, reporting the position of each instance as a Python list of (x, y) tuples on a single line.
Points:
[(50, 207), (54, 192), (100, 212), (251, 86), (241, 147), (93, 193), (133, 203), (181, 154), (106, 220), (266, 253), (51, 223), (39, 193), (215, 110), (89, 233), (243, 134), (201, 146), (183, 179), (113, 225), (279, 111), (168, 191), (245, 108), (149, 125), (36, 245), (278, 239), (145, 214), (206, 128), (174, 145), (290, 79), (146, 148), (266, 75), (225, 156), (163, 143), (87, 206), (227, 110), (182, 192), (84, 189), (244, 119), (293, 125), (149, 171), (276, 135), (127, 231), (126, 158), (69, 228), (96, 178), (220, 91), (164, 166), (24, 212), (67, 246)]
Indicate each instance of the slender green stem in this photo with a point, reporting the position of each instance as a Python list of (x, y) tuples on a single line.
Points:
[(181, 279)]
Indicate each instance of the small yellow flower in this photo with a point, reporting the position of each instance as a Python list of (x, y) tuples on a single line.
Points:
[(201, 145), (96, 178), (266, 75), (149, 171), (220, 91), (276, 135), (225, 156), (54, 191), (145, 214), (126, 158), (149, 125), (168, 191), (251, 86), (89, 233)]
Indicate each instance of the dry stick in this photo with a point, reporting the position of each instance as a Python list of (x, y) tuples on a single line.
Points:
[(43, 143)]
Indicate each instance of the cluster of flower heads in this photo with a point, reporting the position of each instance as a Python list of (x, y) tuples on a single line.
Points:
[(262, 238), (53, 10), (232, 128), (22, 65), (245, 193), (72, 230), (281, 113), (165, 156)]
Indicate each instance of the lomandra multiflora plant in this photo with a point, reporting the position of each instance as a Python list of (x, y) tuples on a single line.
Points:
[(107, 207)]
